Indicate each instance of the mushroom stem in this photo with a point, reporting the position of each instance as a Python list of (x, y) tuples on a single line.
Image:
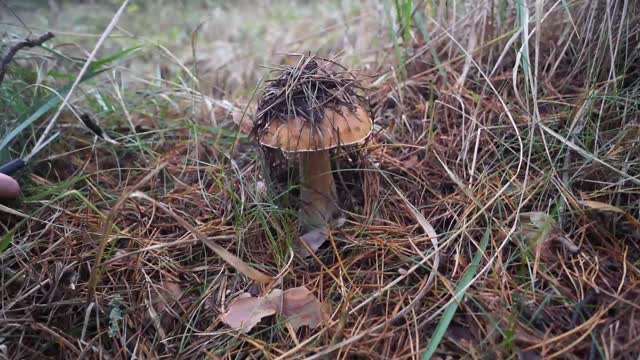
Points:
[(318, 193)]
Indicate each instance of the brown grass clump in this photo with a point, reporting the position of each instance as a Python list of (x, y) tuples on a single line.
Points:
[(503, 169)]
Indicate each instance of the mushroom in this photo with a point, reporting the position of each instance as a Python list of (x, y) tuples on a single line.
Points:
[(341, 126), (309, 109)]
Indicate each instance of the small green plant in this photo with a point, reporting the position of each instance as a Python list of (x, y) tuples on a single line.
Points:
[(116, 315)]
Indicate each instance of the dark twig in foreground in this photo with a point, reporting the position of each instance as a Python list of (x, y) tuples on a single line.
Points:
[(19, 46)]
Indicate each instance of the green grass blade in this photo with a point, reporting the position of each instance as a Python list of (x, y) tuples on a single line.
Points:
[(459, 293), (54, 99), (60, 54), (40, 109), (427, 39), (6, 241), (49, 190), (407, 6), (108, 59), (396, 45)]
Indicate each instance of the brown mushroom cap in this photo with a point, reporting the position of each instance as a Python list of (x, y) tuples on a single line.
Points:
[(343, 127)]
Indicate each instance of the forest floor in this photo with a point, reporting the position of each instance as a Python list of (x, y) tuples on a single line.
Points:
[(493, 212)]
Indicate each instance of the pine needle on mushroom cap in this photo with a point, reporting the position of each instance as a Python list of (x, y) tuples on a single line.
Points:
[(306, 90)]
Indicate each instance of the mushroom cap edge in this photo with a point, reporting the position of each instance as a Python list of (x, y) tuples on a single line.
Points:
[(337, 128)]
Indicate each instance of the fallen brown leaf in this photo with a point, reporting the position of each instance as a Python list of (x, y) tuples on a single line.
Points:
[(246, 311), (166, 304), (314, 239), (298, 307), (461, 335), (243, 121)]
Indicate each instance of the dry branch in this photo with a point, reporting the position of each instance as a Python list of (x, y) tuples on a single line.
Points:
[(28, 43)]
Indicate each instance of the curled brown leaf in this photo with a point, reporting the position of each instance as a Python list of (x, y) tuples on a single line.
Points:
[(297, 306)]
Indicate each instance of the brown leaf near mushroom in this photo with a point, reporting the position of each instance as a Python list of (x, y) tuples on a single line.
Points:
[(243, 121), (313, 239), (297, 306), (316, 237)]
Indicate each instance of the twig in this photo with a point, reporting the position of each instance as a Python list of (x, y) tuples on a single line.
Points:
[(19, 46), (88, 62)]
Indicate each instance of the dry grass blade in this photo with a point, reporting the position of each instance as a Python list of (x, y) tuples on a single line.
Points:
[(106, 229), (11, 211), (231, 259)]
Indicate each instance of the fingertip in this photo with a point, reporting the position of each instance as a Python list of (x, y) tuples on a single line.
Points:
[(9, 187)]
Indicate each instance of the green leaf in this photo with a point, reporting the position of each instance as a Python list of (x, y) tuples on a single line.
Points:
[(468, 275)]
